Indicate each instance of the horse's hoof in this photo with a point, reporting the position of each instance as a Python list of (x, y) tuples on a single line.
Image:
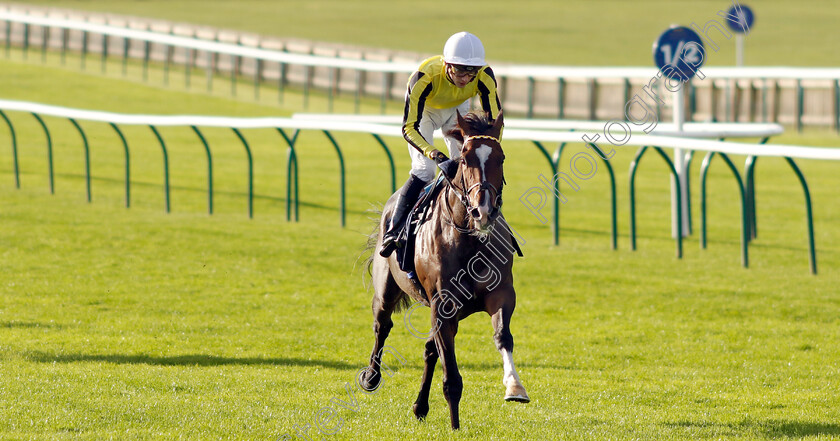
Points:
[(369, 386), (518, 398), (369, 383), (518, 394), (420, 412)]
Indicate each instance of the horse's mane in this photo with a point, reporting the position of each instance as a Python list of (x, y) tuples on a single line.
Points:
[(478, 122)]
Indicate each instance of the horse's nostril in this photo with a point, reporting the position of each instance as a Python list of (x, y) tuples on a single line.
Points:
[(475, 212)]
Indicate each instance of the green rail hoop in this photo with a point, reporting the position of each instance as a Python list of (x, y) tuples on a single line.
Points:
[(209, 169), (127, 163), (390, 162), (555, 221), (554, 163), (250, 173), (291, 177), (14, 149), (633, 167), (165, 167), (87, 158), (809, 216), (341, 185), (704, 168), (49, 152)]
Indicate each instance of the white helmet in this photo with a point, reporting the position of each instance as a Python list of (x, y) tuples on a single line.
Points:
[(464, 48)]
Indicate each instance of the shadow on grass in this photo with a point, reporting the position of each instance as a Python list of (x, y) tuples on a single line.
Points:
[(185, 360), (28, 325), (770, 429), (493, 366), (797, 429)]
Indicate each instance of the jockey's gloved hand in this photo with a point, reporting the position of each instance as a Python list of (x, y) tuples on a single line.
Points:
[(438, 156), (449, 168)]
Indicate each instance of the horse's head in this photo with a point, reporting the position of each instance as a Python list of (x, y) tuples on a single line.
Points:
[(481, 168)]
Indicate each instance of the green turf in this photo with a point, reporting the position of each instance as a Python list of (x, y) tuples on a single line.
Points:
[(132, 323), (579, 32)]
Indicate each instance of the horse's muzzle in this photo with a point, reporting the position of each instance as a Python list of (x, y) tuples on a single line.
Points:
[(484, 214)]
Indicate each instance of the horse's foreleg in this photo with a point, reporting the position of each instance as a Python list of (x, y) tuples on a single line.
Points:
[(500, 306), (453, 385), (430, 357)]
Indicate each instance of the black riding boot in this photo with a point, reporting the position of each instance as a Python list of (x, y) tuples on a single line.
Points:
[(408, 197)]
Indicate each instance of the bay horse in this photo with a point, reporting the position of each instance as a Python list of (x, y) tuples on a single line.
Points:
[(463, 261)]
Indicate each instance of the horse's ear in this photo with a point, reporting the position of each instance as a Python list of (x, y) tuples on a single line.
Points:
[(462, 124), (499, 123)]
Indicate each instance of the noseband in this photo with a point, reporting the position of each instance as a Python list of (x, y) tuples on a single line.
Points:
[(495, 194)]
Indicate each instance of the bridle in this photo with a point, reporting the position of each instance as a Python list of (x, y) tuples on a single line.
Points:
[(463, 192)]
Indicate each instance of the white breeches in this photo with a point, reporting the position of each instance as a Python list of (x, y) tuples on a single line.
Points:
[(433, 119)]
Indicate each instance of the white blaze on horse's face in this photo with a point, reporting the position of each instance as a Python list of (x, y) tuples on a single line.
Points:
[(483, 219)]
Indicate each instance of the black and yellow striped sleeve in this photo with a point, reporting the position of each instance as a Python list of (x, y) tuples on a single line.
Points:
[(487, 92), (419, 88)]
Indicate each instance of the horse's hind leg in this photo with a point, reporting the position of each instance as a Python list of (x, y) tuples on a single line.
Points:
[(430, 357), (385, 299), (500, 306)]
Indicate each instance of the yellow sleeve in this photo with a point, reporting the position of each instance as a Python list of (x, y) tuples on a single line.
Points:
[(488, 95), (419, 88)]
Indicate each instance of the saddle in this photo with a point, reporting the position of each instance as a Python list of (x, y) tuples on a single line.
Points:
[(416, 217)]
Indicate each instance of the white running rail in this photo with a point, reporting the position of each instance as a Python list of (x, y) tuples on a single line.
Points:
[(735, 148), (515, 71)]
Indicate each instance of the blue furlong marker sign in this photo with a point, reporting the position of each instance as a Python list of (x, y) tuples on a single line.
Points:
[(679, 53)]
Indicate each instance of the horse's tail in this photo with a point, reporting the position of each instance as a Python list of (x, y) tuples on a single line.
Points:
[(404, 302), (370, 247)]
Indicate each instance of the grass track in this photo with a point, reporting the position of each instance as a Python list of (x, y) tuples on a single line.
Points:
[(135, 324)]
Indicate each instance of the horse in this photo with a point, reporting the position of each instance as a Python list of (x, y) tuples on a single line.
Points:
[(463, 262)]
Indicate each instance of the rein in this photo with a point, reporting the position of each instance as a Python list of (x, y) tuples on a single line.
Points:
[(462, 196), (448, 218)]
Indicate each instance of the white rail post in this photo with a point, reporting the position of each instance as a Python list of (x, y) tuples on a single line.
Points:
[(679, 165)]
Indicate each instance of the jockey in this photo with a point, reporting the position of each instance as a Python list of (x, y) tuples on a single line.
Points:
[(439, 87)]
